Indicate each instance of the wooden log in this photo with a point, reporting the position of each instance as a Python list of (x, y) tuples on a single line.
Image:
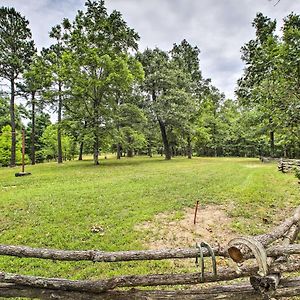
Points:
[(269, 283), (239, 253), (287, 288), (101, 256), (98, 286)]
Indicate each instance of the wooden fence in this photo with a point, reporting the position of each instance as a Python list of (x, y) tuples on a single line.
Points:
[(272, 255), (288, 165)]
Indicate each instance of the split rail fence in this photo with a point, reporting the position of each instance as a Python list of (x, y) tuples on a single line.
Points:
[(288, 165), (269, 257)]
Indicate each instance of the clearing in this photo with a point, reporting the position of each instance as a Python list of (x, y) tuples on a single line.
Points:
[(137, 203)]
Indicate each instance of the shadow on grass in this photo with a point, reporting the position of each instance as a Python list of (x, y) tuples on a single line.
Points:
[(113, 162)]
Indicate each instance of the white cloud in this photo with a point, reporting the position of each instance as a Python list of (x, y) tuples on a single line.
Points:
[(218, 27)]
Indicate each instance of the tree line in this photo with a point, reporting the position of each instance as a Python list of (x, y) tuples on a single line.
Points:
[(110, 97)]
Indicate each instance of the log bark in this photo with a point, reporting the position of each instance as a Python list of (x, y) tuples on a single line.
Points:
[(240, 253), (101, 256), (287, 288), (99, 286)]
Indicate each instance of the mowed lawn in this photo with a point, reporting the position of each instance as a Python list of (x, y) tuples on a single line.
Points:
[(61, 206)]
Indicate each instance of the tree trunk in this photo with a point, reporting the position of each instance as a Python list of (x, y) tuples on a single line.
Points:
[(189, 147), (82, 144), (33, 128), (129, 150), (96, 149), (59, 116), (80, 151), (272, 143), (12, 124), (165, 140), (119, 151), (129, 153), (149, 149)]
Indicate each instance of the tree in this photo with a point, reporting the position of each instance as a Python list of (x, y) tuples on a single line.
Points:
[(54, 93), (35, 78), (257, 85), (169, 90), (16, 50), (5, 147), (41, 122), (186, 57), (5, 114), (97, 65), (271, 81), (49, 140)]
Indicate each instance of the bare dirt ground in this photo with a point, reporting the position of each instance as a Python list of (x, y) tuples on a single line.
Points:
[(168, 231), (212, 226)]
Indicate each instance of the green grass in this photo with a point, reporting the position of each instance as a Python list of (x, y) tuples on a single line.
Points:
[(57, 205)]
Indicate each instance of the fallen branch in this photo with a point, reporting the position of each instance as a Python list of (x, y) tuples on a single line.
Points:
[(286, 288), (98, 286)]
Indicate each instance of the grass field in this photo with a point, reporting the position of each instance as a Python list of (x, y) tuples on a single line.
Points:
[(59, 205)]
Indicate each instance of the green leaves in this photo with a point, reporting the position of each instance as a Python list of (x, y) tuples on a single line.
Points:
[(271, 80), (16, 46)]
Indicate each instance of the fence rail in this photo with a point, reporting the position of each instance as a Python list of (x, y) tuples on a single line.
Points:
[(270, 251), (287, 165)]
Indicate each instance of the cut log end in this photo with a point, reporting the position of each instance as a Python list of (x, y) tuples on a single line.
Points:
[(235, 254)]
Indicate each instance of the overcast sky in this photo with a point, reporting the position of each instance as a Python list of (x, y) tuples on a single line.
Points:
[(218, 27)]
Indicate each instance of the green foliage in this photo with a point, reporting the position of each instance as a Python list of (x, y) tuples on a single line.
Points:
[(5, 147), (4, 112), (271, 82), (97, 68), (49, 141), (297, 173), (42, 121), (16, 46)]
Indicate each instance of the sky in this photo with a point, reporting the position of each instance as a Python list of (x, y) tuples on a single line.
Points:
[(218, 27)]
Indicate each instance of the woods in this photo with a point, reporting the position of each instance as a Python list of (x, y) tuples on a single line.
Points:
[(110, 97)]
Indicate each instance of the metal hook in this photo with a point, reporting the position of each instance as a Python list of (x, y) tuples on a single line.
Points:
[(213, 258), (257, 249)]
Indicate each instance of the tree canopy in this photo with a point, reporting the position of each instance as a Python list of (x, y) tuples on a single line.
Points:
[(110, 97)]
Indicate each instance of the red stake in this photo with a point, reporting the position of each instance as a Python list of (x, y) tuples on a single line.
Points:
[(23, 150), (196, 209)]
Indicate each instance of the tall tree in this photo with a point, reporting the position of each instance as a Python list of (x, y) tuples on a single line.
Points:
[(16, 50), (271, 81), (97, 64), (35, 78), (55, 93), (169, 93), (186, 57), (260, 55)]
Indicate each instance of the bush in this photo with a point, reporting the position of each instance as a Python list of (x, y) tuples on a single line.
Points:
[(5, 147), (39, 156), (297, 173)]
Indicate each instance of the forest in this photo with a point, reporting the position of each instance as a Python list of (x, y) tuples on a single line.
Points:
[(109, 97)]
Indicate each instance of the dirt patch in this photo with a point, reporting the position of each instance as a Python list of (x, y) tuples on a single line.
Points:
[(169, 231)]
